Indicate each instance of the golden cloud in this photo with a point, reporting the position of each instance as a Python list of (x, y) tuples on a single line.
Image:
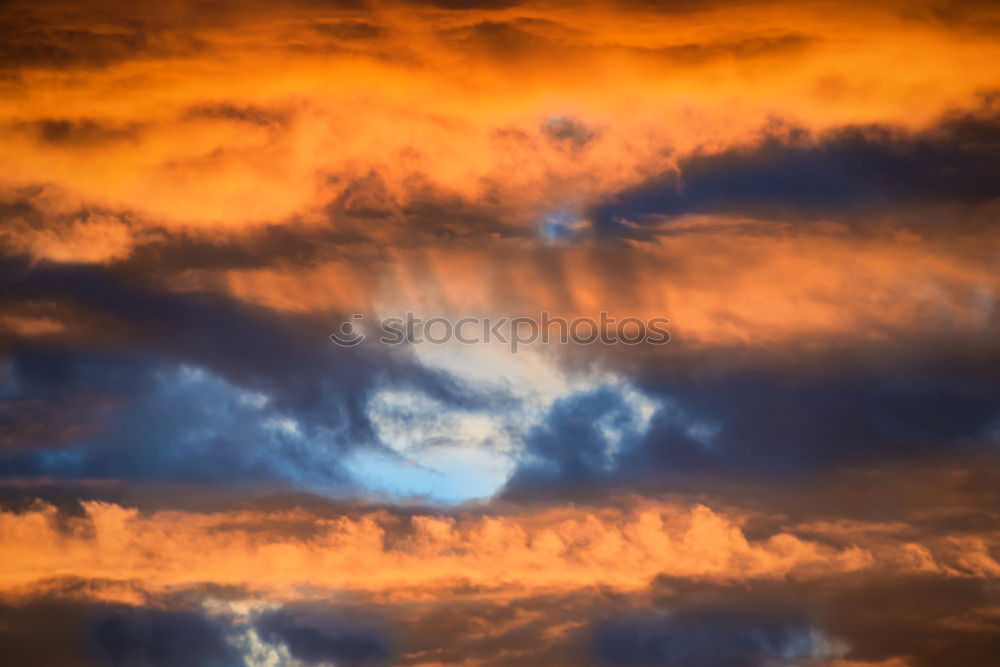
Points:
[(547, 550), (255, 115)]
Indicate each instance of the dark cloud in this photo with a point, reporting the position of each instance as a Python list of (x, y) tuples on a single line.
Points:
[(61, 36), (193, 387), (27, 423), (296, 245), (770, 417), (978, 17), (821, 420), (470, 4), (21, 206), (719, 639), (155, 637), (517, 38), (350, 30), (842, 173), (934, 620), (927, 620), (46, 633), (573, 440), (742, 49), (326, 634), (264, 117), (426, 219), (551, 42), (567, 131), (38, 45), (193, 369), (65, 632), (168, 422), (80, 132), (543, 630), (195, 328)]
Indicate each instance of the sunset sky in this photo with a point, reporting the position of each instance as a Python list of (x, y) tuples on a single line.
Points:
[(194, 194)]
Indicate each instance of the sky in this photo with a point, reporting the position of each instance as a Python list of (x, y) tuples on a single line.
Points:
[(194, 195)]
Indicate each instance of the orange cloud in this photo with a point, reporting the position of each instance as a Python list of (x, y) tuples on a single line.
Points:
[(558, 549), (758, 285), (257, 115)]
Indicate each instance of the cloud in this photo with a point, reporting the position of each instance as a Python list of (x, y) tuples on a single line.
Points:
[(547, 551), (622, 581), (774, 417), (167, 158), (60, 631), (324, 635), (715, 640), (179, 352), (160, 638), (36, 45), (848, 172), (840, 617), (194, 195)]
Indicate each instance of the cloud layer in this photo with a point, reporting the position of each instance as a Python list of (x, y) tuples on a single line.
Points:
[(194, 195)]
